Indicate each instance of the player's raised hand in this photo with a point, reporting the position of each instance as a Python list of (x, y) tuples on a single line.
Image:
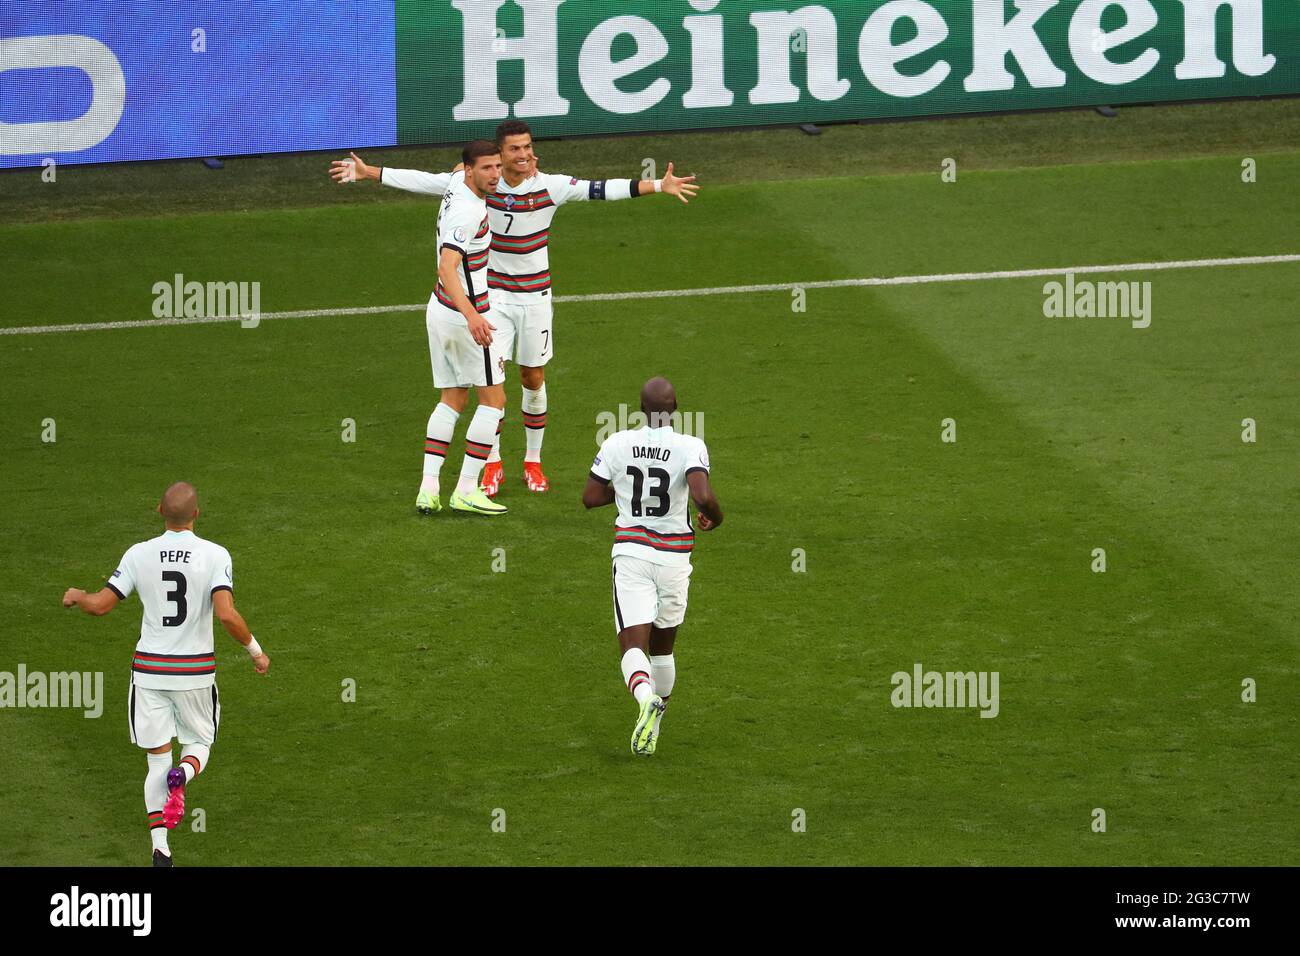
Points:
[(352, 170), (481, 330), (683, 187), (71, 596), (261, 663)]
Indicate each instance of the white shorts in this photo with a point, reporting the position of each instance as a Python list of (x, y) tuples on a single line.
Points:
[(158, 716), (460, 362), (649, 593), (534, 340)]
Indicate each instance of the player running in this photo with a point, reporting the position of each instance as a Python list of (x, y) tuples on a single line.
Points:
[(649, 472), (519, 272), (183, 581), (466, 347)]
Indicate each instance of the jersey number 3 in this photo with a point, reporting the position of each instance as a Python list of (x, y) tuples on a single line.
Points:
[(177, 596), (659, 492)]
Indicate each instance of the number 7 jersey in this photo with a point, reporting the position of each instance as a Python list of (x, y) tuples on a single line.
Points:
[(648, 467), (176, 575)]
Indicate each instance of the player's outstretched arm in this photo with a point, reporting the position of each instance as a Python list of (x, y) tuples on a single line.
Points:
[(710, 512), (410, 180), (683, 187), (597, 493), (354, 170), (97, 604), (223, 605), (564, 190)]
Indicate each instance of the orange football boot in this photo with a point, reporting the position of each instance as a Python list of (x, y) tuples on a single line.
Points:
[(492, 475), (533, 476)]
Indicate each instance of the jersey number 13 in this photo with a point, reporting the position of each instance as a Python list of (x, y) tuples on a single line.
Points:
[(659, 492)]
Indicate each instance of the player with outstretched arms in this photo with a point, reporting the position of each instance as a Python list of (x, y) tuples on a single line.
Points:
[(650, 473), (521, 211), (183, 581), (467, 347)]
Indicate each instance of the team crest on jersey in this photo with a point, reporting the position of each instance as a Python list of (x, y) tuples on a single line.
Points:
[(510, 202)]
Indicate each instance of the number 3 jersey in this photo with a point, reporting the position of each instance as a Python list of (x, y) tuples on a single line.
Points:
[(648, 467), (176, 575)]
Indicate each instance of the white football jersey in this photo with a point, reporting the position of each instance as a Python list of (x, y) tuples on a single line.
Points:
[(463, 226), (520, 264), (648, 467), (176, 575)]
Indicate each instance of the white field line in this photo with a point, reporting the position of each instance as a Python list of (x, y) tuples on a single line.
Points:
[(687, 293)]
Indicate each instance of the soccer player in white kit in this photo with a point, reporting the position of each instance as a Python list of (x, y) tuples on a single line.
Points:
[(650, 473), (467, 347), (519, 270), (182, 581)]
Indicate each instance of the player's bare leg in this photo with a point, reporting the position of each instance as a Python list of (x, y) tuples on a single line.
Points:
[(469, 496), (634, 641), (155, 799), (437, 437), (663, 672), (533, 380)]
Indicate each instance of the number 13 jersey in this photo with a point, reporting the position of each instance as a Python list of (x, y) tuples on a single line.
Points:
[(176, 574), (648, 467)]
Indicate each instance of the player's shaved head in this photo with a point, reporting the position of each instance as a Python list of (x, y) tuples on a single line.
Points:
[(658, 401), (180, 504)]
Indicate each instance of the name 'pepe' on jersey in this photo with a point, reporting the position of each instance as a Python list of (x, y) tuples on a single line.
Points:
[(463, 226), (176, 575), (521, 219), (648, 467)]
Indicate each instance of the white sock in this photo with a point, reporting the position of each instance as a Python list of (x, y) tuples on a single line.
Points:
[(155, 795), (478, 445), (495, 454), (663, 669), (534, 422), (636, 675), (442, 425), (194, 760)]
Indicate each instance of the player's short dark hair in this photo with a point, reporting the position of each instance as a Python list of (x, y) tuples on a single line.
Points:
[(478, 148), (513, 127)]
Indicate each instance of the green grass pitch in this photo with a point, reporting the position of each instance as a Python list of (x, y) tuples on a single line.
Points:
[(478, 690)]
